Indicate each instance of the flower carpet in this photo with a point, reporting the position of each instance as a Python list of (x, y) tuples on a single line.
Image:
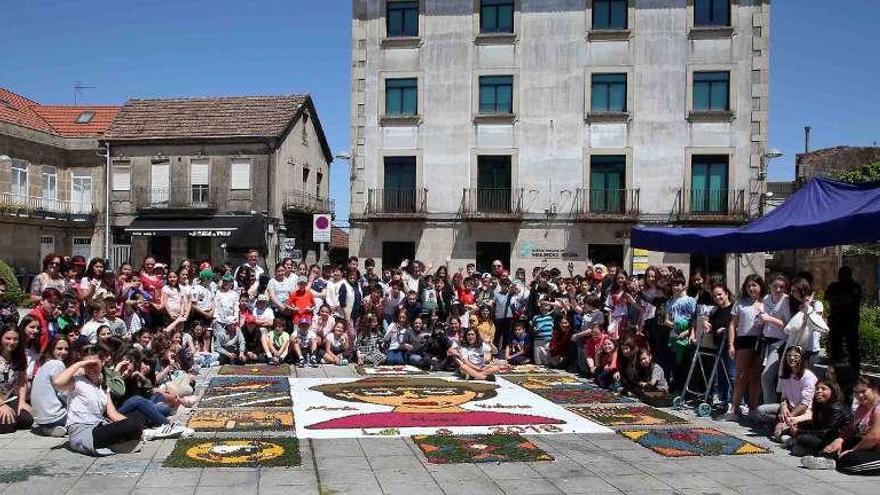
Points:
[(266, 419), (254, 370), (450, 449), (627, 415), (689, 442), (238, 452), (387, 369), (237, 391)]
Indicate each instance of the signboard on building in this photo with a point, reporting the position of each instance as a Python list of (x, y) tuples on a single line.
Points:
[(321, 228), (640, 261)]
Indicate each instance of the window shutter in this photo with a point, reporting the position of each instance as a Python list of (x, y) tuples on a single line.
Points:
[(122, 177), (240, 175), (199, 172)]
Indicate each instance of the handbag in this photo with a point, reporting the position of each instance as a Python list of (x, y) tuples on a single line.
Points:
[(816, 323)]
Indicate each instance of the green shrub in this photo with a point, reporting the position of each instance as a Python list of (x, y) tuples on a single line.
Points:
[(869, 331), (14, 294)]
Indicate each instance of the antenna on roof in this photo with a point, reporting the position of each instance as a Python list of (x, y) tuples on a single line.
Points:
[(77, 90)]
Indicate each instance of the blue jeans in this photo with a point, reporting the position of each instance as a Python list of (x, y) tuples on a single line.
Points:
[(156, 411), (723, 386), (396, 357)]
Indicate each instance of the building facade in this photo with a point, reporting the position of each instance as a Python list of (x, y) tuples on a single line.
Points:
[(210, 178), (539, 132), (51, 180)]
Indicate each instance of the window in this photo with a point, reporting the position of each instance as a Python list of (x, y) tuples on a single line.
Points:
[(84, 118), (240, 175), (305, 178), (401, 97), (200, 173), (19, 187), (319, 178), (494, 184), (160, 180), (393, 253), (709, 184), (487, 252), (607, 183), (496, 16), (402, 19), (81, 194), (399, 195), (496, 94), (47, 245), (121, 176), (50, 182), (711, 91), (82, 246), (608, 93), (610, 14), (711, 12)]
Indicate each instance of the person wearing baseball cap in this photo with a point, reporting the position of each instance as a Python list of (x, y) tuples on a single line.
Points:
[(301, 301), (305, 343)]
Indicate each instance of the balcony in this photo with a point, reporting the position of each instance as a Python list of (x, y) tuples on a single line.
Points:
[(174, 198), (396, 203), (492, 204), (711, 205), (46, 208), (606, 205), (302, 202)]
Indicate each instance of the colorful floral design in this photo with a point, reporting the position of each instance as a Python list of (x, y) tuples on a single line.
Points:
[(254, 370), (529, 369), (578, 395), (449, 449), (689, 442), (386, 369), (627, 415), (543, 381), (249, 392), (241, 452), (241, 420)]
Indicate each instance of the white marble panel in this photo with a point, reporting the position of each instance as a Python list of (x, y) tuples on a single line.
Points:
[(608, 135), (495, 136), (400, 137), (711, 134)]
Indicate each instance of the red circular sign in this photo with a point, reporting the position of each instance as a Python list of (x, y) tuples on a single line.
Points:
[(322, 223)]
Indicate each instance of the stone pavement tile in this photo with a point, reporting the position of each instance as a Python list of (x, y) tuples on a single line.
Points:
[(286, 490), (750, 462), (220, 490), (41, 486), (344, 447), (469, 486), (409, 487), (175, 490), (703, 464), (117, 465), (615, 442), (170, 478), (408, 462), (663, 468), (610, 466), (638, 455), (298, 476), (823, 489), (373, 447), (342, 463), (403, 476), (711, 491), (562, 468), (827, 475), (658, 491), (784, 476), (734, 479), (13, 453), (31, 441), (634, 482), (531, 487), (508, 471), (584, 485), (345, 476), (104, 483), (689, 480), (861, 486), (224, 477), (364, 486)]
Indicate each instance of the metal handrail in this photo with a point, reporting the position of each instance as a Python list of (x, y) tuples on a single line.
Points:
[(397, 201), (310, 203), (607, 203), (21, 204), (492, 201), (194, 197)]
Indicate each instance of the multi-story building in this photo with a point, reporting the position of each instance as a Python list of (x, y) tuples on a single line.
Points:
[(51, 180), (210, 178), (532, 130)]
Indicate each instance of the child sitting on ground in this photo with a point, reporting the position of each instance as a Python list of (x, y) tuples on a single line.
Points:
[(369, 340), (305, 344), (277, 342), (607, 374), (519, 350)]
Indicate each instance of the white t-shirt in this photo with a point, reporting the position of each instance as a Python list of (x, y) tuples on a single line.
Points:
[(48, 405), (226, 307), (90, 330), (474, 355), (203, 297), (86, 402), (304, 340), (332, 292), (266, 313), (174, 299), (283, 288)]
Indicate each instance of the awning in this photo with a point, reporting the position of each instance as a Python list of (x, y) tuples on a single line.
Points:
[(239, 232), (822, 213)]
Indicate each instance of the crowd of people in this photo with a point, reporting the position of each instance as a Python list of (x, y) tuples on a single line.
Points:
[(106, 357)]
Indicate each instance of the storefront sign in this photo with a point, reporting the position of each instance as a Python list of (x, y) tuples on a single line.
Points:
[(210, 233), (640, 261), (528, 250)]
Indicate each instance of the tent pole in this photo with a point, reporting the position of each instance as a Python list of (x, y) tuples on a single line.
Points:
[(736, 269)]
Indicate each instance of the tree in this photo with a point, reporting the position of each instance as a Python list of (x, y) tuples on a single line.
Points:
[(869, 172)]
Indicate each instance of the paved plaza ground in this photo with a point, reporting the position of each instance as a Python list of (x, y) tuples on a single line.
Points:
[(584, 464)]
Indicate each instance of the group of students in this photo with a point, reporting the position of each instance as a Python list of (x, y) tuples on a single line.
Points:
[(104, 356)]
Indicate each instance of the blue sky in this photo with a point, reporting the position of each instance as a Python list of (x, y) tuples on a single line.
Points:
[(825, 70)]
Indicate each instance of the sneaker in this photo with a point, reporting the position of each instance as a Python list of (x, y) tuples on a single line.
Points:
[(301, 363), (313, 362), (343, 362), (814, 462), (171, 430)]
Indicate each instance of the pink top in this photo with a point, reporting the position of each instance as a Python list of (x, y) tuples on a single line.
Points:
[(799, 391)]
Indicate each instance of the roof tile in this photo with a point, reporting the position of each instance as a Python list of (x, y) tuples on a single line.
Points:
[(53, 119)]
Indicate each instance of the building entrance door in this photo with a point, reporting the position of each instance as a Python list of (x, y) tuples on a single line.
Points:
[(487, 252)]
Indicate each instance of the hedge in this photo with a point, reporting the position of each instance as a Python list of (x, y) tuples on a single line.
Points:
[(869, 330), (14, 294)]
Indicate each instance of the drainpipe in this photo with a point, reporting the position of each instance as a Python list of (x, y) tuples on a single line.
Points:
[(106, 154)]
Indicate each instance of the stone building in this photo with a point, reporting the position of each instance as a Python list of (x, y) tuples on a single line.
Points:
[(210, 178), (541, 131), (51, 180)]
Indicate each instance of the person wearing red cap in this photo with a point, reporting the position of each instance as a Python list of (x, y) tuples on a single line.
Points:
[(44, 312)]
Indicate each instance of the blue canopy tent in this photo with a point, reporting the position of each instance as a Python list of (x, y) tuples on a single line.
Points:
[(821, 213)]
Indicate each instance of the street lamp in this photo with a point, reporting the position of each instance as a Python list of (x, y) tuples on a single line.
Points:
[(765, 161)]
